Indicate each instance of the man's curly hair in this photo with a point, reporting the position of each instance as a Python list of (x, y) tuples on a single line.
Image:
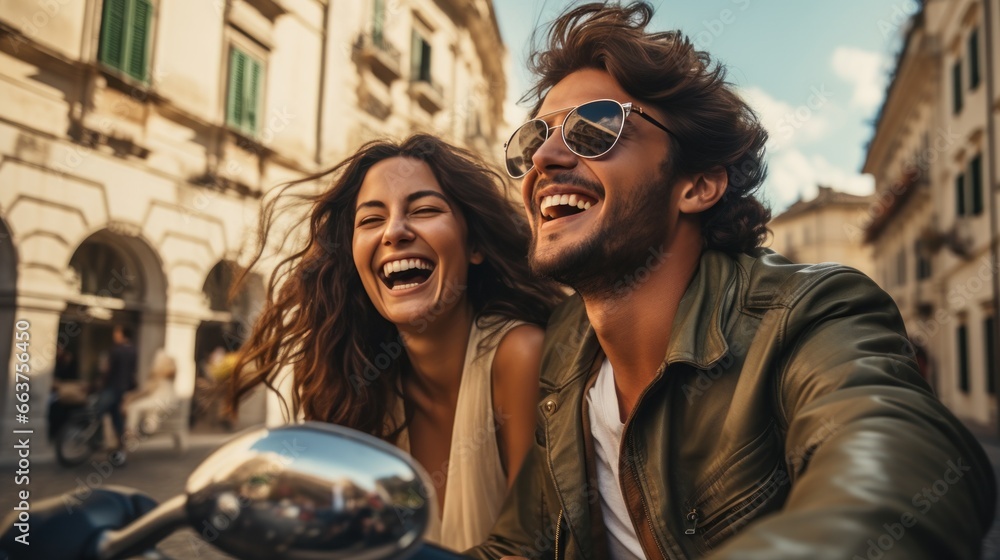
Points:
[(713, 126)]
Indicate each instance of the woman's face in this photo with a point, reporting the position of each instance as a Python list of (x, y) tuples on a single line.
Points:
[(410, 244)]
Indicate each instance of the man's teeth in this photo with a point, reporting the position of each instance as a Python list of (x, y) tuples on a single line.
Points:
[(565, 200), (405, 264), (562, 200)]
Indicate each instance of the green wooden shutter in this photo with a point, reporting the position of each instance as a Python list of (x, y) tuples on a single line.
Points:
[(415, 51), (378, 23), (138, 47), (253, 96), (237, 71), (112, 51)]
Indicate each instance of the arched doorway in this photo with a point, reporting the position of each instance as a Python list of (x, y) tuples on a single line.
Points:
[(117, 280), (220, 335), (8, 304)]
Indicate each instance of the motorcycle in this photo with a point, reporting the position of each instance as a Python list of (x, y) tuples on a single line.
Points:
[(82, 433), (305, 491)]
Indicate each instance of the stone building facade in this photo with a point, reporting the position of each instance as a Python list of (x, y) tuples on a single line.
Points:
[(139, 137), (812, 231), (933, 225)]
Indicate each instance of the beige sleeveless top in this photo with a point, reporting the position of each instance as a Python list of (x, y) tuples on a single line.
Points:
[(476, 483)]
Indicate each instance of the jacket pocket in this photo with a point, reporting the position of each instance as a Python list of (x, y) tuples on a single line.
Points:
[(739, 512), (748, 484)]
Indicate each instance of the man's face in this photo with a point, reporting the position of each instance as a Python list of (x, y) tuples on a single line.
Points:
[(631, 209)]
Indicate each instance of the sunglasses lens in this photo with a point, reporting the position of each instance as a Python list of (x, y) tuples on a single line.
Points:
[(523, 145), (592, 129)]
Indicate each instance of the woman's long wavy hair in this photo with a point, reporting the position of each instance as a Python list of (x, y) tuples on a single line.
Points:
[(713, 125), (318, 321)]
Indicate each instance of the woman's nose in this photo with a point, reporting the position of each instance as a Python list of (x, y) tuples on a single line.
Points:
[(397, 231)]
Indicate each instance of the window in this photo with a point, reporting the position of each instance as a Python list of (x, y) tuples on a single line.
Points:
[(989, 334), (960, 195), (963, 358), (246, 77), (976, 185), (420, 59), (956, 86), (974, 59), (923, 262), (125, 32), (378, 23)]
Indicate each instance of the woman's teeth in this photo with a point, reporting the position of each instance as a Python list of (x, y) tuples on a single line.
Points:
[(405, 286), (405, 264)]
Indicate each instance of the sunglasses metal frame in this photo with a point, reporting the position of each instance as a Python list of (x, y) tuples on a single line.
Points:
[(627, 109)]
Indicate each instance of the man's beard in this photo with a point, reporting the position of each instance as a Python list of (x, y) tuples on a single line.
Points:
[(608, 261)]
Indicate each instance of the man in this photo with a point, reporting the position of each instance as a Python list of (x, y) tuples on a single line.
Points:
[(702, 396), (119, 379)]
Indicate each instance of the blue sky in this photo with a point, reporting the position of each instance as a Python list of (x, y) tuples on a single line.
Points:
[(815, 71)]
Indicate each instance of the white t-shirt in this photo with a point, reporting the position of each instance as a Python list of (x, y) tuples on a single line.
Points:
[(606, 428)]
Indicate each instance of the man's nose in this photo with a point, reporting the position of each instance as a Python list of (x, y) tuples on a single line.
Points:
[(553, 154)]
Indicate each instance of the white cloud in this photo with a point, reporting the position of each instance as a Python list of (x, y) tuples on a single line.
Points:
[(792, 174), (789, 124), (864, 71)]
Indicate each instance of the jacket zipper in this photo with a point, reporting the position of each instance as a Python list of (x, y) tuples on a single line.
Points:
[(645, 509), (692, 522), (558, 527), (635, 468)]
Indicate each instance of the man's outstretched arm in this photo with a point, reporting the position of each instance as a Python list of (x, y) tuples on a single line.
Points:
[(900, 476)]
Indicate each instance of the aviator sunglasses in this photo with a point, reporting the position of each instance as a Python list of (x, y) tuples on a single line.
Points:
[(589, 131)]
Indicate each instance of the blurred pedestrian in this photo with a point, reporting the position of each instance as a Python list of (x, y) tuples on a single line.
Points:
[(119, 379)]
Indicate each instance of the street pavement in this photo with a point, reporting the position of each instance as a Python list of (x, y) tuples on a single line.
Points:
[(160, 471)]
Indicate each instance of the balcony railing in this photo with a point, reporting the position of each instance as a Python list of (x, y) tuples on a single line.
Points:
[(428, 94), (380, 55)]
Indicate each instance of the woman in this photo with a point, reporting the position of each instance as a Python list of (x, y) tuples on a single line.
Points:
[(411, 315)]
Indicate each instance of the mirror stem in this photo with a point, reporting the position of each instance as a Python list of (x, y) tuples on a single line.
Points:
[(143, 533)]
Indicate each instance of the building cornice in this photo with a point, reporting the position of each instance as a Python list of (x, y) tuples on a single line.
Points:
[(909, 82)]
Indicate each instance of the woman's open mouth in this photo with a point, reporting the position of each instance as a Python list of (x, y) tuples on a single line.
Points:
[(403, 274), (558, 206)]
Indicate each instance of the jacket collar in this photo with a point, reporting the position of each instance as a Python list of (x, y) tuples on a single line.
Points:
[(697, 337)]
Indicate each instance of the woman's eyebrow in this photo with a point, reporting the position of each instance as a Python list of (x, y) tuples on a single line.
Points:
[(409, 198), (420, 194)]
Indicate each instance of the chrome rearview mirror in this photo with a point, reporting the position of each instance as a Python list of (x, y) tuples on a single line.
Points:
[(309, 490)]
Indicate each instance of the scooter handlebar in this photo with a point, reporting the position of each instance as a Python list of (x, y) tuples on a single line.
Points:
[(68, 526)]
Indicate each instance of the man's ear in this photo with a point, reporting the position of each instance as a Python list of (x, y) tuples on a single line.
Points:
[(702, 190)]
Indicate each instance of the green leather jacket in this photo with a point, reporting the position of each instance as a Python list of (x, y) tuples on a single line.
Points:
[(787, 421)]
